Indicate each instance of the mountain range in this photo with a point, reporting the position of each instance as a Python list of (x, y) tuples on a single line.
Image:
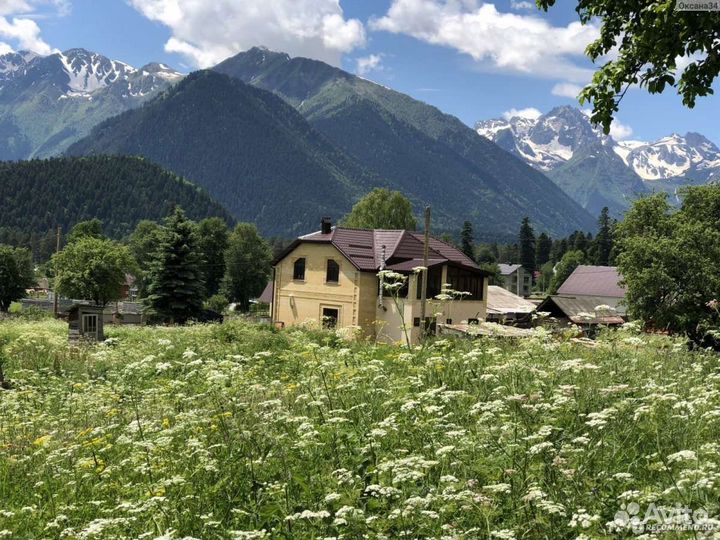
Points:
[(49, 102), (597, 170), (350, 134), (282, 141)]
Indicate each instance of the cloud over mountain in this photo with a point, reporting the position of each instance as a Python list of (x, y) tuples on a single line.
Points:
[(510, 42), (207, 32), (18, 27)]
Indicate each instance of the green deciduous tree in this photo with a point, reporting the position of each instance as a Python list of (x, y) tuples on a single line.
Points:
[(92, 269), (92, 228), (212, 241), (648, 40), (382, 209), (486, 254), (570, 261), (467, 240), (546, 276), (16, 275), (526, 241), (176, 290), (247, 260), (669, 261)]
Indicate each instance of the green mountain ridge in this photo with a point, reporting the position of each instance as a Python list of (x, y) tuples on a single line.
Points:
[(415, 147), (247, 147)]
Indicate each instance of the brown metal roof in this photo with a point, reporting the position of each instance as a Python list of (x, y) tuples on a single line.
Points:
[(593, 281), (364, 248)]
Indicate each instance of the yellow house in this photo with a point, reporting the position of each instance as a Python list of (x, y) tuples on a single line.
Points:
[(331, 277)]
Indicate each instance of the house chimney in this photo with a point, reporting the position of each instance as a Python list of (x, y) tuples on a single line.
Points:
[(326, 225)]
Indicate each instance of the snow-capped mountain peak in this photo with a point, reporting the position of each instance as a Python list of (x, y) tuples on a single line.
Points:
[(553, 138), (545, 142), (14, 62), (161, 70), (80, 73), (88, 71), (690, 156)]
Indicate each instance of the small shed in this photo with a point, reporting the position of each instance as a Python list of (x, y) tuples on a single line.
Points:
[(504, 307), (85, 323), (585, 310)]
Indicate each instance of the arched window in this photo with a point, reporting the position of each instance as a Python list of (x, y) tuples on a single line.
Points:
[(333, 272), (299, 269)]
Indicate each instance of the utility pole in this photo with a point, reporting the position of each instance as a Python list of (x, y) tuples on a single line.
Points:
[(423, 289), (55, 294)]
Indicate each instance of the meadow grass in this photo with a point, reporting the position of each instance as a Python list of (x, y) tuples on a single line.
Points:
[(240, 431)]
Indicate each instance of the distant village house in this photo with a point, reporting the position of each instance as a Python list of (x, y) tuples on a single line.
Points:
[(516, 279)]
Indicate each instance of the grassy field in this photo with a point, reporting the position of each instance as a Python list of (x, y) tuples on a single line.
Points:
[(237, 431)]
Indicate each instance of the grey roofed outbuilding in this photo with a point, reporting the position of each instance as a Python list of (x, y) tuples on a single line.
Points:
[(266, 297), (502, 302), (593, 281), (507, 269), (583, 309)]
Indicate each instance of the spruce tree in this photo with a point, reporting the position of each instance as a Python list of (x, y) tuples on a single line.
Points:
[(176, 290), (602, 247), (542, 252), (467, 240), (527, 245)]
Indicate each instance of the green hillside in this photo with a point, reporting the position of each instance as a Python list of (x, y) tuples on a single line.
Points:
[(36, 196)]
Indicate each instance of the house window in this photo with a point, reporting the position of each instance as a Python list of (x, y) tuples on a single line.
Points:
[(330, 317), (299, 269), (332, 275)]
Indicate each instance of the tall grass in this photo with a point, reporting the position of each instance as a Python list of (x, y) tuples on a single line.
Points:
[(239, 431)]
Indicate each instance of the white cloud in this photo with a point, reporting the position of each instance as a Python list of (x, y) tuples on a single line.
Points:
[(565, 89), (25, 33), (208, 31), (366, 64), (515, 4), (17, 23), (620, 131), (525, 44), (530, 113)]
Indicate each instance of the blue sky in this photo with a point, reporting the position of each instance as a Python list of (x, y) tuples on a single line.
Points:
[(471, 59)]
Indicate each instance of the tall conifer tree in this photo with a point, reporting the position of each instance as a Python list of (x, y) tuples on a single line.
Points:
[(176, 291), (527, 245)]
